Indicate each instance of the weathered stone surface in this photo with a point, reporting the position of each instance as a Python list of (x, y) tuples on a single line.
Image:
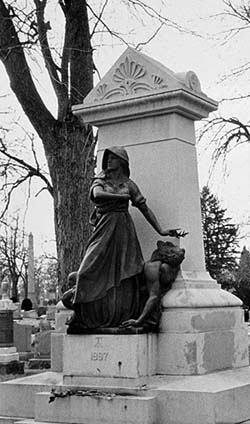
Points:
[(109, 355), (155, 123), (22, 336), (17, 397), (97, 408)]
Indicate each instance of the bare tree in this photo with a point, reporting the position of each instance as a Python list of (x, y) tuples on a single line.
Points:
[(13, 253), (227, 133), (46, 275), (16, 169), (26, 34)]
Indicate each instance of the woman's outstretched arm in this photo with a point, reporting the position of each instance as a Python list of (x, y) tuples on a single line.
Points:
[(151, 218)]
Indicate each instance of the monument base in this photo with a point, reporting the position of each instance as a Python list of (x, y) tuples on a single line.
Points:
[(202, 340), (110, 355), (219, 397), (202, 328)]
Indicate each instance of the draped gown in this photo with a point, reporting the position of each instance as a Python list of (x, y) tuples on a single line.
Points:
[(109, 284)]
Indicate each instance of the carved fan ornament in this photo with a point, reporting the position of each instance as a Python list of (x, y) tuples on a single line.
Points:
[(128, 77)]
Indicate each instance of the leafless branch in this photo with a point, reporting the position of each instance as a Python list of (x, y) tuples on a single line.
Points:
[(8, 195), (141, 6), (109, 30), (31, 170), (226, 134), (144, 43), (42, 29), (99, 18)]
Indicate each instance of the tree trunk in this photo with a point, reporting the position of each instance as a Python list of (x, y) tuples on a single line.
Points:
[(72, 169), (68, 144)]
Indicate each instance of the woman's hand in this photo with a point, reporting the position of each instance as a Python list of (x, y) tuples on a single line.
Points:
[(130, 323), (173, 233)]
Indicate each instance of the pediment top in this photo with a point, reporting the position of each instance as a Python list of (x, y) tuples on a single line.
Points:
[(134, 75)]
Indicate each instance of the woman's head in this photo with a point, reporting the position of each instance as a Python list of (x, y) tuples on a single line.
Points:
[(121, 154)]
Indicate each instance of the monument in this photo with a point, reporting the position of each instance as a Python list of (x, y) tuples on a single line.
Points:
[(150, 111), (31, 275), (29, 303), (195, 368), (9, 357)]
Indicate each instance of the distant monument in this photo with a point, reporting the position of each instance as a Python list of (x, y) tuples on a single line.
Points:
[(31, 273), (29, 303)]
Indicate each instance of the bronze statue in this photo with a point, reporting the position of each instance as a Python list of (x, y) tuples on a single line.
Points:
[(159, 274), (110, 278)]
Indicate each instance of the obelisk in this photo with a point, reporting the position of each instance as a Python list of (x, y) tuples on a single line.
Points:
[(31, 273)]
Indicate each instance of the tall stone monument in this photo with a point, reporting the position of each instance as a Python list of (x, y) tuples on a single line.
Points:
[(145, 107), (31, 274), (196, 369)]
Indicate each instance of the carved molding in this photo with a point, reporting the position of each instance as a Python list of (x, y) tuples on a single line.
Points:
[(190, 80), (129, 78), (193, 81)]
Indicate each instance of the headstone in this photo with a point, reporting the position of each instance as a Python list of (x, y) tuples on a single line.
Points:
[(5, 302), (41, 344), (9, 358), (22, 336), (17, 312), (51, 312), (57, 336)]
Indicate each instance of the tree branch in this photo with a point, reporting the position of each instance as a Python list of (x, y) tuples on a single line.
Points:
[(111, 32), (45, 48), (31, 170), (141, 6), (21, 82), (99, 18), (225, 134)]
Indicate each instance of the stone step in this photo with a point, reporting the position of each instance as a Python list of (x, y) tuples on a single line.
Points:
[(29, 421), (17, 397), (12, 420), (96, 408), (32, 421), (216, 398)]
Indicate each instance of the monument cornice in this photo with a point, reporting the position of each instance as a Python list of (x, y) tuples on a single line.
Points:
[(181, 101)]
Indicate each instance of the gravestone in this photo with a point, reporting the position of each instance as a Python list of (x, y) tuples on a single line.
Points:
[(22, 336), (57, 336), (9, 357)]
